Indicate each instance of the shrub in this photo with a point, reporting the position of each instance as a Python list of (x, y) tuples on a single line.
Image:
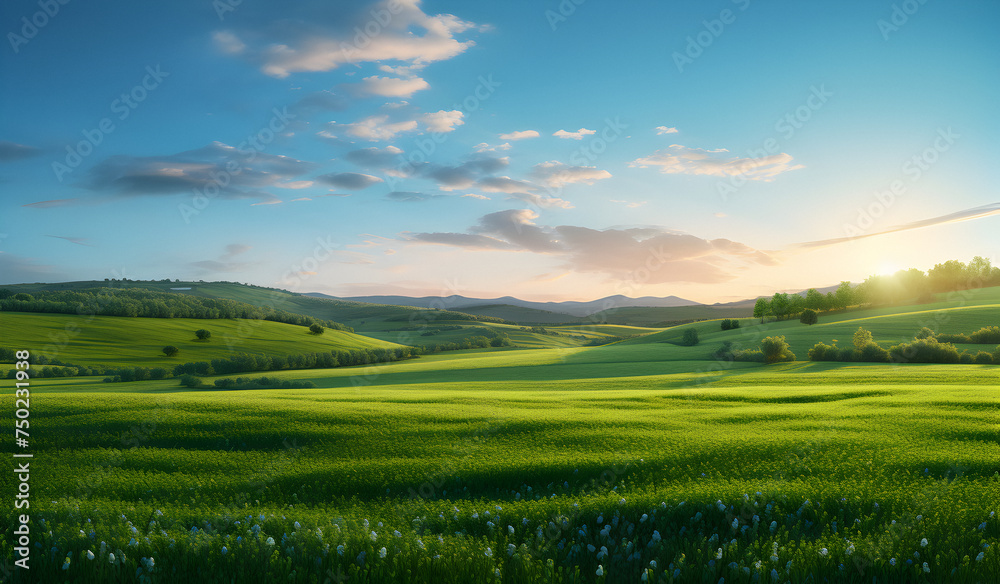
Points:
[(809, 317), (872, 353), (316, 329), (959, 338), (776, 350), (170, 350), (924, 351), (202, 334), (753, 355), (730, 324), (982, 358), (690, 337), (822, 352), (925, 333), (157, 373), (965, 359), (190, 381), (987, 334)]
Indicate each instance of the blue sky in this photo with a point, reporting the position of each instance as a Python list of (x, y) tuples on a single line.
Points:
[(544, 150)]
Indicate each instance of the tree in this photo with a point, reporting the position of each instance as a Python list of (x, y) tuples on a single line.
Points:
[(780, 305), (730, 323), (690, 337), (776, 350), (761, 309), (316, 329), (844, 295), (815, 299), (202, 334), (170, 350), (808, 316), (862, 338)]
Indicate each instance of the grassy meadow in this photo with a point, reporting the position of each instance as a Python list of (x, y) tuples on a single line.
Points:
[(636, 461)]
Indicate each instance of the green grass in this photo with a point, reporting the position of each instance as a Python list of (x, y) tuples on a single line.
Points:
[(426, 447), (85, 340)]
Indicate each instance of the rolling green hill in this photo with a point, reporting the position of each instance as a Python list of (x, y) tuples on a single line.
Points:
[(110, 340)]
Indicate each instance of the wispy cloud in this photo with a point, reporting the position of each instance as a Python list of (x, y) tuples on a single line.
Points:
[(349, 180), (519, 135), (678, 159), (664, 255), (956, 217), (76, 240), (660, 130), (12, 151), (577, 135), (313, 37), (555, 174)]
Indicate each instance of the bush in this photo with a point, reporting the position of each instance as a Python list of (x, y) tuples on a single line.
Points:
[(924, 351), (872, 353), (261, 383), (982, 358), (170, 350), (190, 381), (690, 337), (158, 373), (987, 334), (959, 338), (315, 329), (776, 350), (202, 334), (752, 355), (730, 323), (862, 337), (925, 333), (809, 316), (965, 359), (822, 352)]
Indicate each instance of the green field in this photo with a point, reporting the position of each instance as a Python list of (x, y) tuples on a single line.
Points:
[(107, 340), (637, 461)]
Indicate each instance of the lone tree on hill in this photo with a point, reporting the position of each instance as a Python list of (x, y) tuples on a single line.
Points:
[(690, 337), (776, 349), (316, 329), (202, 334), (170, 350), (809, 316)]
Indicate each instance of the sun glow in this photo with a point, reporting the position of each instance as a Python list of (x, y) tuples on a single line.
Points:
[(888, 269)]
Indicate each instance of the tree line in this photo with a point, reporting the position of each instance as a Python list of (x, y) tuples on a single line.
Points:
[(904, 285), (143, 303)]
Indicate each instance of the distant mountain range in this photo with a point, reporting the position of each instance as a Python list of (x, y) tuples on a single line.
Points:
[(577, 309), (456, 302)]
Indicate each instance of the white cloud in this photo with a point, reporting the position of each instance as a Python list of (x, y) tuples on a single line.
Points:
[(443, 121), (312, 37), (228, 43), (475, 196), (504, 184), (660, 130), (555, 174), (546, 202), (519, 135), (377, 127), (390, 86), (484, 147), (679, 159), (577, 135)]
